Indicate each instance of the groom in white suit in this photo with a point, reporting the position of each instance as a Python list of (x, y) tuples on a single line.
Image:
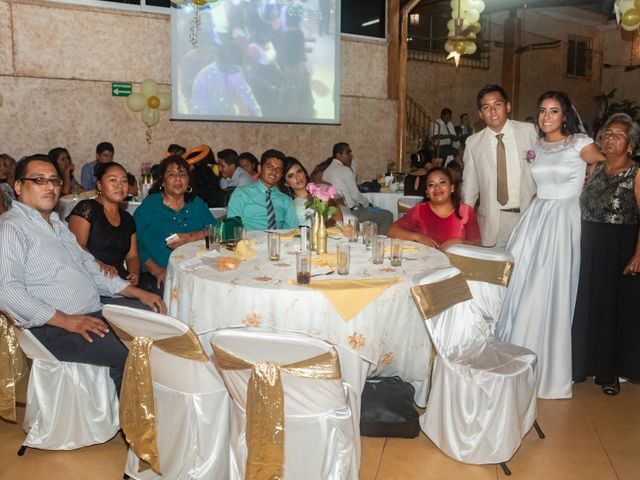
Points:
[(496, 169)]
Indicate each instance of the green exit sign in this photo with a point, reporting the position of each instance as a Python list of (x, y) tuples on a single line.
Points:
[(120, 89)]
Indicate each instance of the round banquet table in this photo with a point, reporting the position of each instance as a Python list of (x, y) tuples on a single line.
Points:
[(388, 333)]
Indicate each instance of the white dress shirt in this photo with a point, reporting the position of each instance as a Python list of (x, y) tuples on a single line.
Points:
[(44, 269), (344, 181)]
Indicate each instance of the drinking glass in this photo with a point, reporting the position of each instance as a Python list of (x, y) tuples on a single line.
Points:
[(369, 231), (343, 257), (303, 267), (239, 233), (377, 254), (396, 252), (350, 229), (211, 237), (273, 246)]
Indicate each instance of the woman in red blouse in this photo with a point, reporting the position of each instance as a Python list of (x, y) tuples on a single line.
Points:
[(441, 220)]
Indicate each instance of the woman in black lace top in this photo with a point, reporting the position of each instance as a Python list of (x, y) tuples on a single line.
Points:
[(606, 324), (103, 228)]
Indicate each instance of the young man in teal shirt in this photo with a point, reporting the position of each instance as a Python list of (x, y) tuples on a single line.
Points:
[(261, 206)]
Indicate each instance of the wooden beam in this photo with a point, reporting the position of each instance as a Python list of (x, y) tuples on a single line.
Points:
[(511, 60), (402, 81), (393, 48)]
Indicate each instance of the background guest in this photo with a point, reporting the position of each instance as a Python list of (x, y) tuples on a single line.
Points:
[(171, 208), (442, 220), (104, 229), (415, 183), (249, 163), (104, 154), (7, 177), (61, 158), (232, 175), (294, 183), (205, 183), (605, 329)]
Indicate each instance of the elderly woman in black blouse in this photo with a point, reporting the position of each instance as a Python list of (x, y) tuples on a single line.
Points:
[(606, 326)]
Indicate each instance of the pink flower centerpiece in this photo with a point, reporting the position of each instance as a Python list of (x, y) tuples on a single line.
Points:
[(319, 201)]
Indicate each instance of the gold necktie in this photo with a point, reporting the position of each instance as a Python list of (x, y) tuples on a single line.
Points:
[(501, 157)]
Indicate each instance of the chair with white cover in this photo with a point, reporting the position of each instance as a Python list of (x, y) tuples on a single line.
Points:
[(291, 414), (174, 405), (218, 212), (483, 392), (69, 405), (487, 271), (407, 202), (346, 214)]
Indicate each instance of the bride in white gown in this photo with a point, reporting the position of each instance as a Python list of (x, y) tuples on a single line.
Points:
[(540, 299)]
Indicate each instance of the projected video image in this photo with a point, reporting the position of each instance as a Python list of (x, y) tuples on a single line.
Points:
[(257, 60)]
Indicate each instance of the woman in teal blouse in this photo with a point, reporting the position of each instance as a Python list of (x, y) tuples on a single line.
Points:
[(171, 208)]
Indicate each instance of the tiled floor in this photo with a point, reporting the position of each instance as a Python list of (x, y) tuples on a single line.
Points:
[(591, 436)]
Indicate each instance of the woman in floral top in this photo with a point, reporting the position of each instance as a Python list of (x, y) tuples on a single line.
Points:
[(606, 329)]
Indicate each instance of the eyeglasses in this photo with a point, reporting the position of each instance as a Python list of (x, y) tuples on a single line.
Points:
[(42, 181)]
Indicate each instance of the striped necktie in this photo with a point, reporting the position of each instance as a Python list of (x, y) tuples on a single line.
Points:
[(271, 214)]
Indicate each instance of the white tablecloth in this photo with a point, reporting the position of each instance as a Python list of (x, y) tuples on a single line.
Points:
[(388, 333), (385, 200)]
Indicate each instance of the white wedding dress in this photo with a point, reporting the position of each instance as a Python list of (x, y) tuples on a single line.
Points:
[(540, 300)]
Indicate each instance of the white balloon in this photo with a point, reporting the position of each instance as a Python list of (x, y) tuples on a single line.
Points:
[(136, 102), (632, 28), (150, 116), (149, 87), (477, 5), (448, 47), (471, 16), (165, 100), (625, 5)]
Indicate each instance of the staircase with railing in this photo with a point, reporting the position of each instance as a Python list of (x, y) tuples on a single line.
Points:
[(417, 126)]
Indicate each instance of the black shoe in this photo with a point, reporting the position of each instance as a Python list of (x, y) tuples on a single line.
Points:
[(611, 388)]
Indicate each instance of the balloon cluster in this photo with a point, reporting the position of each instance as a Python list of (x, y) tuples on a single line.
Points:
[(463, 27), (149, 101), (628, 14), (197, 20)]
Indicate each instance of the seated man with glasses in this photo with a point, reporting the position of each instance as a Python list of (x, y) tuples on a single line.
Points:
[(262, 205), (49, 284)]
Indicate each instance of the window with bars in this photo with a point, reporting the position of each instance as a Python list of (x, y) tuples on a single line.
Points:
[(579, 57), (428, 34)]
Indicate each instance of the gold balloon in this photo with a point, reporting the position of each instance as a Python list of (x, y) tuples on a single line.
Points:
[(631, 18), (153, 102), (199, 2), (458, 47), (136, 101), (632, 28), (637, 4), (475, 28)]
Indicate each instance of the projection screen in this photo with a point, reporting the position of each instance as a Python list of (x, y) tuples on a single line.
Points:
[(256, 61)]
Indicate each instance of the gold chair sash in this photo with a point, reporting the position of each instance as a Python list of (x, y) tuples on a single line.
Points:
[(13, 367), (265, 406), (497, 272), (137, 400), (437, 297)]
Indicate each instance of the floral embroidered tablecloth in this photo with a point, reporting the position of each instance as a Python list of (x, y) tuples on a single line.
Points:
[(388, 333)]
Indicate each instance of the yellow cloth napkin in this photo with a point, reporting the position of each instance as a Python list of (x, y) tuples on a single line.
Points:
[(405, 248), (349, 297), (325, 260), (290, 234), (244, 250)]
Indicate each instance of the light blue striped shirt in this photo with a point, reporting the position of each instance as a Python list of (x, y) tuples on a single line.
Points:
[(44, 269), (250, 204)]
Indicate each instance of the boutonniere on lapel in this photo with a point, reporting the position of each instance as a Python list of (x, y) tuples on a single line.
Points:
[(530, 156)]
